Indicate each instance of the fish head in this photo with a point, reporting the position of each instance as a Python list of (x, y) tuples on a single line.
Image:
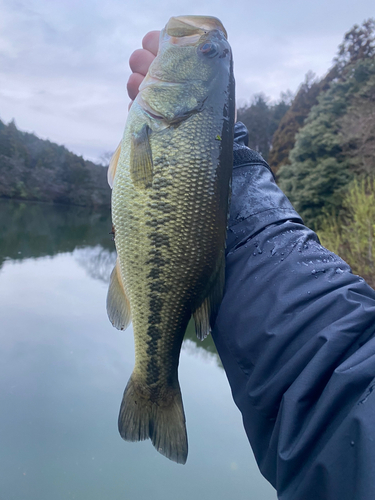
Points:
[(194, 57)]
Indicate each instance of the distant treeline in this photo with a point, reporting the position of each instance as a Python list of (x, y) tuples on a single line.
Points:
[(262, 120), (35, 169)]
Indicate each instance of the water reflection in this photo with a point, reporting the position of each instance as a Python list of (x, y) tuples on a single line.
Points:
[(38, 229), (97, 261), (29, 229), (63, 369)]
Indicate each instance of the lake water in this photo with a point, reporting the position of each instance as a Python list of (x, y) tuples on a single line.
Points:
[(63, 369)]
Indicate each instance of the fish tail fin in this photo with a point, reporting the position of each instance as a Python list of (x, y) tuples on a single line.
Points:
[(160, 418)]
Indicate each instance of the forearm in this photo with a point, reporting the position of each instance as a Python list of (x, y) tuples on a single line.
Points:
[(295, 335)]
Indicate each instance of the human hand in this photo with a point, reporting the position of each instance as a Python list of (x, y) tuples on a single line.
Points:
[(140, 61)]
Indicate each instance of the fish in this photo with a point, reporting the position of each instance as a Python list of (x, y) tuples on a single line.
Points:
[(170, 179)]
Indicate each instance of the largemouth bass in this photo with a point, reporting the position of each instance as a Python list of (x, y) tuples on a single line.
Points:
[(171, 185)]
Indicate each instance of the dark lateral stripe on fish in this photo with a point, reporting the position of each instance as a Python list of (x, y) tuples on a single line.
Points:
[(154, 318), (158, 286), (154, 334), (154, 273), (158, 195), (158, 261), (159, 239), (158, 222), (162, 182), (156, 302), (153, 369)]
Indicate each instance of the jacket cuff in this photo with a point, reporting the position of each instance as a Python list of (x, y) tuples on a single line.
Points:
[(242, 154)]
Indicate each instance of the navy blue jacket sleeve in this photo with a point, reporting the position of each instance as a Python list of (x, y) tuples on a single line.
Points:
[(295, 333)]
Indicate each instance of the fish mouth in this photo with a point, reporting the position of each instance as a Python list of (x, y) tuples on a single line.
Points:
[(186, 30), (181, 31)]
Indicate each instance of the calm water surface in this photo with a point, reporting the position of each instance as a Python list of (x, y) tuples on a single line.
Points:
[(63, 369)]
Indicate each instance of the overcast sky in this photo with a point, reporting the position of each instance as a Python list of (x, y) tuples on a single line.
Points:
[(64, 63)]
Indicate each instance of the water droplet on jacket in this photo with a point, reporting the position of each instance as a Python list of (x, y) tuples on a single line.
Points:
[(351, 443), (339, 270)]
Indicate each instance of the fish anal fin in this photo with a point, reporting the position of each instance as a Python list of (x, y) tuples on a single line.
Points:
[(205, 314), (161, 419), (113, 166), (118, 306), (141, 165)]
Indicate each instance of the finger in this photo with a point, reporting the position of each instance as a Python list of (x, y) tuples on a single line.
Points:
[(134, 82), (150, 42), (140, 61)]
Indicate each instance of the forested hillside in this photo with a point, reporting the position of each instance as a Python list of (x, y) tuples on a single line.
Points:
[(336, 143), (330, 169), (283, 139), (321, 146), (35, 169)]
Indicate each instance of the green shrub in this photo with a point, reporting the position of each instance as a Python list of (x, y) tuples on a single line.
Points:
[(351, 233)]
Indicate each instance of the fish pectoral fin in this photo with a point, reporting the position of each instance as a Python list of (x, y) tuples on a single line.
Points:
[(113, 166), (118, 305), (205, 314), (141, 165)]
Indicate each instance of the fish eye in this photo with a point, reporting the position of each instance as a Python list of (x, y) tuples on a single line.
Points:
[(208, 48)]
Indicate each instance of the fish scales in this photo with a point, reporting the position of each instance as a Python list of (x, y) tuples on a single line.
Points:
[(170, 230), (174, 214)]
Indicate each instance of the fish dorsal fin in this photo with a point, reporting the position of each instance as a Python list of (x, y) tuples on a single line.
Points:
[(141, 165), (118, 306), (113, 166), (205, 314)]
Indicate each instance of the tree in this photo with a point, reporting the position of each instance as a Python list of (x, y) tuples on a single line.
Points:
[(34, 169), (334, 145), (262, 119), (285, 135), (358, 44)]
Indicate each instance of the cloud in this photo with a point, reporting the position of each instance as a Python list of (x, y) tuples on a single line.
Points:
[(64, 64)]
